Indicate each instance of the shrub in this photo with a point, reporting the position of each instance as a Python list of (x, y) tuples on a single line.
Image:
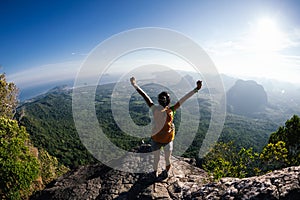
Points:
[(18, 167)]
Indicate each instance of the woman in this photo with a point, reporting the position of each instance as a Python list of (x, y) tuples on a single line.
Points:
[(163, 131)]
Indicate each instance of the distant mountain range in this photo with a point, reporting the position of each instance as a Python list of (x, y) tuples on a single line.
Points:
[(258, 98)]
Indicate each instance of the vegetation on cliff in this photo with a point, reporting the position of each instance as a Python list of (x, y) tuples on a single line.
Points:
[(282, 150), (23, 168)]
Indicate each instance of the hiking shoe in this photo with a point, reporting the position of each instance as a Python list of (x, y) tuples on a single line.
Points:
[(153, 175), (164, 174)]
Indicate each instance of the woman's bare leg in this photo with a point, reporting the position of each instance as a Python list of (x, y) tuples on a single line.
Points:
[(168, 160), (156, 159)]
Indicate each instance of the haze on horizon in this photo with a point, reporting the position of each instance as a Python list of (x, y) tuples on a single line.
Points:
[(47, 41)]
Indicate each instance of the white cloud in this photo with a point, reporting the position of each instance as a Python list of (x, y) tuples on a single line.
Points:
[(45, 74), (58, 72), (244, 56)]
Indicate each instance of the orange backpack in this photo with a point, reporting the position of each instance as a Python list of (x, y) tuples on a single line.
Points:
[(163, 129)]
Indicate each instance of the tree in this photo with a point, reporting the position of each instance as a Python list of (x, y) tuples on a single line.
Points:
[(8, 98), (290, 135), (50, 167), (225, 159), (274, 156), (18, 167)]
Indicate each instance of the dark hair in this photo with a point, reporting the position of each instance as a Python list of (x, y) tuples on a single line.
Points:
[(164, 99)]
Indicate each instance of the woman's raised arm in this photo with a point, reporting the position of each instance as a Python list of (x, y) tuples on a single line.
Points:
[(141, 92), (188, 95)]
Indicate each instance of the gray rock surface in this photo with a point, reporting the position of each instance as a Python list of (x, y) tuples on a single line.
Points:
[(279, 184), (185, 181), (101, 182)]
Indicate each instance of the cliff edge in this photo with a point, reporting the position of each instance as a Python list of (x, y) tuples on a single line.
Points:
[(185, 181)]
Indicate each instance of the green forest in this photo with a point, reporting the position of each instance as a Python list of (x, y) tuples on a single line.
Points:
[(39, 141), (49, 121)]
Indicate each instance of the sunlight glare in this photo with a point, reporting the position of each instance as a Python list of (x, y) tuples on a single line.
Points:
[(267, 36)]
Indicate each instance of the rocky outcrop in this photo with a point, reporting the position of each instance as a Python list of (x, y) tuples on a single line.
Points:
[(101, 182), (185, 181), (279, 184)]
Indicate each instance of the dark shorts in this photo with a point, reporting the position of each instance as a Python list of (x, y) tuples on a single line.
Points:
[(156, 146)]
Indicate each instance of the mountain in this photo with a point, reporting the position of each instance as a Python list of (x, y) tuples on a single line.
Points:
[(49, 121), (48, 118), (283, 98), (246, 97), (185, 181)]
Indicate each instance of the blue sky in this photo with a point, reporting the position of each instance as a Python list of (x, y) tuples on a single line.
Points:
[(45, 40)]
